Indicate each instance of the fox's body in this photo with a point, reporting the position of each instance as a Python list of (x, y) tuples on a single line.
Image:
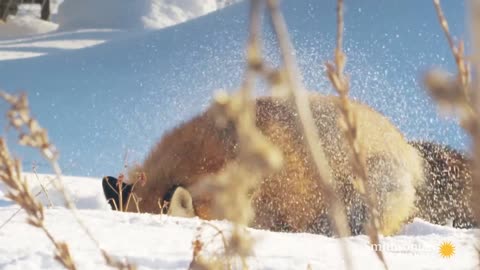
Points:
[(446, 195), (290, 199)]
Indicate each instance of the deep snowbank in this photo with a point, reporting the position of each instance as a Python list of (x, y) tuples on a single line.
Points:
[(22, 26), (127, 14), (86, 192), (106, 14), (162, 242), (26, 23)]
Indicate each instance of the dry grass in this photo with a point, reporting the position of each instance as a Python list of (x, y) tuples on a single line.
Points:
[(199, 261), (455, 93), (19, 192), (292, 81), (44, 190), (31, 134), (121, 179), (138, 177), (459, 93), (474, 124), (257, 157), (20, 209), (349, 125)]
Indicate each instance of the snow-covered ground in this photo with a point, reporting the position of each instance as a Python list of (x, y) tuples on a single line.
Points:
[(27, 22), (107, 81), (163, 242), (106, 14)]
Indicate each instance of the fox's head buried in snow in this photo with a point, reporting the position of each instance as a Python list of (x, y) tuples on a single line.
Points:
[(176, 202), (290, 199)]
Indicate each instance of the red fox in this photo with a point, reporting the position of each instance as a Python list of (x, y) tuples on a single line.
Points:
[(445, 196), (290, 199)]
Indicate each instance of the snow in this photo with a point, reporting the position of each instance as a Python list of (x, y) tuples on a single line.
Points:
[(163, 242), (126, 14), (106, 14), (87, 193), (19, 26), (27, 22), (12, 55)]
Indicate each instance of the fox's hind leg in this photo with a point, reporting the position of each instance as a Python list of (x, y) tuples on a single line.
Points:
[(111, 192)]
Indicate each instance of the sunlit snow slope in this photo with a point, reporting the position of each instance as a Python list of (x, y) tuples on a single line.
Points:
[(120, 96), (113, 14)]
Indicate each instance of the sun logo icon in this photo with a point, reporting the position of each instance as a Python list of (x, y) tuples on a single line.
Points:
[(446, 249)]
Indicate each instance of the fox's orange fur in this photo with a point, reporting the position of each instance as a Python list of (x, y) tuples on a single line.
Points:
[(290, 199), (446, 195)]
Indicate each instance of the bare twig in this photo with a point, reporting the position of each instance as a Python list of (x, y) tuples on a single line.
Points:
[(42, 186), (349, 120), (293, 80), (10, 218), (457, 51), (140, 178), (297, 92), (19, 192), (475, 103), (256, 156), (461, 93)]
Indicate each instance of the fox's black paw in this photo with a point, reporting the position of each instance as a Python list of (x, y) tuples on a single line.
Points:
[(111, 190)]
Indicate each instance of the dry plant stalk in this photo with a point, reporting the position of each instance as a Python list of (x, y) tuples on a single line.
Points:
[(200, 262), (348, 123), (139, 178), (119, 190), (293, 82), (120, 181), (256, 157), (459, 93), (34, 169), (457, 51), (453, 94), (33, 135), (19, 192), (475, 103), (255, 151), (456, 93), (20, 209), (132, 177)]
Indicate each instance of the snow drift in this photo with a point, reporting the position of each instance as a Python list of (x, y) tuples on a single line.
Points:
[(163, 242), (27, 22), (127, 14), (25, 25), (111, 14)]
